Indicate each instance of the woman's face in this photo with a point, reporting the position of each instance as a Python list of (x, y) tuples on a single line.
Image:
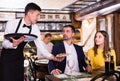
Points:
[(99, 39)]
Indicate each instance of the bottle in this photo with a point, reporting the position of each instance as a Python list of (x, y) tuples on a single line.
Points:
[(111, 63), (107, 64), (118, 66), (107, 61)]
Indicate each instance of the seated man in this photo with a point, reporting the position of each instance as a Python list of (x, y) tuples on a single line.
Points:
[(75, 55)]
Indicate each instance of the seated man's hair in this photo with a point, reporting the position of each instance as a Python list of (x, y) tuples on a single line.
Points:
[(71, 26)]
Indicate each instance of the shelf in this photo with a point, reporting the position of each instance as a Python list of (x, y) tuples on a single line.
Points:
[(54, 22), (51, 30)]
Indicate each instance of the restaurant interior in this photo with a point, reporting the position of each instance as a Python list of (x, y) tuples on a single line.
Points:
[(87, 16)]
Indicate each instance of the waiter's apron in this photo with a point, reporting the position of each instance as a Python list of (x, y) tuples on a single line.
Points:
[(12, 63)]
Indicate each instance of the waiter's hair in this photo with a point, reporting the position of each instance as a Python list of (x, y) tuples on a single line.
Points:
[(70, 26), (31, 6)]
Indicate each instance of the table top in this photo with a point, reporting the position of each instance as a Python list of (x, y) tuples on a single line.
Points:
[(78, 77), (81, 77)]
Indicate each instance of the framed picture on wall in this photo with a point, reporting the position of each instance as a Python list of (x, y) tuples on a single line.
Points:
[(19, 15), (102, 23), (2, 27), (106, 23), (41, 26)]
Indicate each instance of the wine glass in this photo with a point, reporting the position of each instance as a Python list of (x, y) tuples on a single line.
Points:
[(70, 63)]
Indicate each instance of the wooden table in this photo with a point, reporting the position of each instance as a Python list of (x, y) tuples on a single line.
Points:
[(85, 76), (41, 69), (53, 78)]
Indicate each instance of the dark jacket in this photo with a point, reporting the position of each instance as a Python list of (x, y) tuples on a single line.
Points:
[(60, 48)]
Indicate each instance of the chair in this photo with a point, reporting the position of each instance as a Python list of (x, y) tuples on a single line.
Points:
[(109, 76)]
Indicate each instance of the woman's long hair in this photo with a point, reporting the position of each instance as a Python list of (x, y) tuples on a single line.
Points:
[(106, 48)]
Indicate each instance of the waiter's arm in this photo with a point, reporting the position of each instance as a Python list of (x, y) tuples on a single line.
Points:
[(40, 47), (9, 29)]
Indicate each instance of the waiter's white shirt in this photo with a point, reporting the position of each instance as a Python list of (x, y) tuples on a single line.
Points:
[(11, 27), (48, 46), (72, 58)]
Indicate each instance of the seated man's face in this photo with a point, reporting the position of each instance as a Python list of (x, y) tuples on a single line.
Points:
[(67, 33)]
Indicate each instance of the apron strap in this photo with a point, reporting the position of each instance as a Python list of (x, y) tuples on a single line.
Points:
[(18, 26), (30, 29)]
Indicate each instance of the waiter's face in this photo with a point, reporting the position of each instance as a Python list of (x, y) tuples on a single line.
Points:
[(34, 15)]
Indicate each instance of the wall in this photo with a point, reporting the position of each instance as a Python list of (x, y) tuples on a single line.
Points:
[(87, 33)]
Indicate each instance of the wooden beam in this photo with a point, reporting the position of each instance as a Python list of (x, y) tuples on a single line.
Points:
[(97, 6)]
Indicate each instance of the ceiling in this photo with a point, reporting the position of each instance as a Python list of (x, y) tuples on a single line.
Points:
[(61, 6), (46, 5), (78, 5)]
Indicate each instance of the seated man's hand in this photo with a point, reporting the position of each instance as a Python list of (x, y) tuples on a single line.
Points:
[(89, 69), (56, 72), (59, 59)]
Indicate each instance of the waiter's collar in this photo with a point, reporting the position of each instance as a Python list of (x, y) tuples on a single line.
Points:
[(24, 25), (23, 21)]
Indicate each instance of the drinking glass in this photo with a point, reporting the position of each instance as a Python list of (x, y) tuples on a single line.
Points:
[(70, 64)]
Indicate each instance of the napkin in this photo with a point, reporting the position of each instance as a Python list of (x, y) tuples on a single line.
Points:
[(84, 79), (43, 61), (61, 76)]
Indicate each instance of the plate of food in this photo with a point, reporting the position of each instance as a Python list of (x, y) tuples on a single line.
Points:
[(61, 55)]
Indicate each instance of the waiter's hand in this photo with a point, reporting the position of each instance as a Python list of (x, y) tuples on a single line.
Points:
[(16, 42), (57, 59)]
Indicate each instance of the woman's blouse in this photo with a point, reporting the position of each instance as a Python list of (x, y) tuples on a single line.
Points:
[(98, 60)]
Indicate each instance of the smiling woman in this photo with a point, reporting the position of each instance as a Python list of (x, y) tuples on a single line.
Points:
[(98, 54)]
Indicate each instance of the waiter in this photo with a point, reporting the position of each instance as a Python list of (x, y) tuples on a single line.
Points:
[(12, 59)]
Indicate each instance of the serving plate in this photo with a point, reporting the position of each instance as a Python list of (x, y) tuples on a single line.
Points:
[(30, 37)]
